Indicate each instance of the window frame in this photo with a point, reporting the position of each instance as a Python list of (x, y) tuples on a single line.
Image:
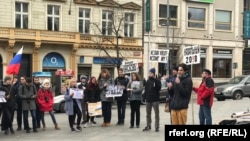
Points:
[(197, 21), (22, 14), (107, 21), (53, 16), (230, 23), (129, 23), (84, 19), (170, 19)]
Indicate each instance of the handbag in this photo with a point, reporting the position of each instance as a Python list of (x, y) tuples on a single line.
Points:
[(166, 109)]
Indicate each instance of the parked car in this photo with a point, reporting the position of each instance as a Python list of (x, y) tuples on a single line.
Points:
[(237, 88), (59, 104)]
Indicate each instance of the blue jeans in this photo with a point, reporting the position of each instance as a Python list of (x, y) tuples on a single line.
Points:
[(51, 115), (205, 115), (26, 121), (106, 111)]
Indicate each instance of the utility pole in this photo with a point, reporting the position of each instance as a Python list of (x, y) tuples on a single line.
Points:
[(167, 36)]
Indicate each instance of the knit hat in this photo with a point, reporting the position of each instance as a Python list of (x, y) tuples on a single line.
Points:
[(152, 70), (46, 83)]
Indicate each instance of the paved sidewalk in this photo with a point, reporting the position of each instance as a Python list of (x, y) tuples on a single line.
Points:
[(221, 110)]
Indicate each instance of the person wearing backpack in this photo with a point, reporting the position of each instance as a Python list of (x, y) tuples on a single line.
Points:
[(152, 97), (28, 94)]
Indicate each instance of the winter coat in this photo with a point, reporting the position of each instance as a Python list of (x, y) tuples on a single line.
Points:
[(69, 103), (182, 93), (25, 92), (205, 92), (11, 100), (152, 89), (123, 82), (101, 83), (45, 100), (136, 94), (92, 94)]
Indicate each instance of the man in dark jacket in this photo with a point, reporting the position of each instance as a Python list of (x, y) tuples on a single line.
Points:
[(7, 107), (182, 93), (152, 97), (122, 81)]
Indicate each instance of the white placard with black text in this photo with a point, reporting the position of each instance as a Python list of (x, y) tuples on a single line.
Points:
[(130, 67), (158, 55), (191, 55)]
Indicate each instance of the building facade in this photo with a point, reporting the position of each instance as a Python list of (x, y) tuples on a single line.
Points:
[(215, 25), (80, 35)]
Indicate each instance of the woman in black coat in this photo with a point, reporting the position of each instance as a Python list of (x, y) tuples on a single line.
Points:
[(92, 95)]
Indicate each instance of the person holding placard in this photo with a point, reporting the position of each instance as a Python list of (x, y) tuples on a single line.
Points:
[(121, 81), (92, 95), (73, 105), (7, 107), (134, 92), (104, 81)]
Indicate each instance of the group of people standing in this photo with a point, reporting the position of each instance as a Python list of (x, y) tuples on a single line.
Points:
[(26, 96), (95, 90)]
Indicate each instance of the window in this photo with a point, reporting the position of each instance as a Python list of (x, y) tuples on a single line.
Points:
[(21, 15), (223, 20), (163, 15), (107, 20), (222, 68), (129, 25), (84, 20), (196, 17), (197, 68), (53, 12)]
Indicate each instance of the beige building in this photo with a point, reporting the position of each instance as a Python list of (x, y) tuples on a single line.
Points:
[(79, 35), (216, 26)]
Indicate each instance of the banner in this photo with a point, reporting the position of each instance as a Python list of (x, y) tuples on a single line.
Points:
[(191, 55), (78, 93), (2, 97), (158, 55), (114, 91), (95, 109), (130, 67)]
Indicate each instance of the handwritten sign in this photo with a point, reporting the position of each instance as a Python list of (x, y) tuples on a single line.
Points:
[(95, 109), (114, 91), (130, 67), (2, 97), (191, 55), (78, 93), (158, 55)]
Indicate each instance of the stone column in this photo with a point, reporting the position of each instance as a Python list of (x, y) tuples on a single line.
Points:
[(36, 62)]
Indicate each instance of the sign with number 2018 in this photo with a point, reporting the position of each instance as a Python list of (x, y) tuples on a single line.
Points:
[(191, 55)]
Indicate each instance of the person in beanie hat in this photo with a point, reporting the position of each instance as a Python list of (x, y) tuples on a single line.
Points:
[(152, 98), (205, 95)]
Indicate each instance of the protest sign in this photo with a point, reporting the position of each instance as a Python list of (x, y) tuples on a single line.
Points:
[(2, 97), (95, 109), (114, 91), (191, 55), (78, 93), (130, 67), (158, 55)]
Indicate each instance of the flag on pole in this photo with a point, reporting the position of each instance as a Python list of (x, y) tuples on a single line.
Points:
[(15, 63)]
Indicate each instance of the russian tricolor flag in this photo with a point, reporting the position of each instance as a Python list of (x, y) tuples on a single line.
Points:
[(14, 65)]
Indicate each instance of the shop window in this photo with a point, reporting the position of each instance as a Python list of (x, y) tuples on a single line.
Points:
[(222, 68), (197, 68)]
